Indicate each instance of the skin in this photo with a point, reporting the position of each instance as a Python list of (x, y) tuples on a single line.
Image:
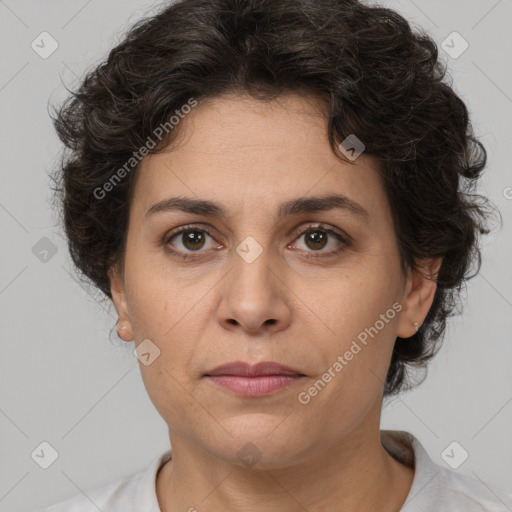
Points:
[(250, 156)]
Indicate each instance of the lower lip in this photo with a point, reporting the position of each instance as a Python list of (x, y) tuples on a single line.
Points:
[(254, 386)]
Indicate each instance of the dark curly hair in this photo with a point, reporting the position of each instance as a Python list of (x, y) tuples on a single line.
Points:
[(379, 79)]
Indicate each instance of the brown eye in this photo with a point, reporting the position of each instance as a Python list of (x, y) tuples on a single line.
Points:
[(316, 239), (193, 240), (187, 240)]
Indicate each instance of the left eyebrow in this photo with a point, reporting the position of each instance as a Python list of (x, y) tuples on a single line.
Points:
[(292, 207)]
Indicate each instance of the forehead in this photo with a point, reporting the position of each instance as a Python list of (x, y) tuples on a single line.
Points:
[(243, 152)]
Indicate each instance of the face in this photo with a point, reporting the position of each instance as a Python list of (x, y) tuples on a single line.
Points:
[(245, 283)]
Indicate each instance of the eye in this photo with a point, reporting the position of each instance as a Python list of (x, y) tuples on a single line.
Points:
[(317, 238), (188, 239)]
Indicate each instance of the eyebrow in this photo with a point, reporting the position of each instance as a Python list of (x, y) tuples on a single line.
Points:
[(292, 207)]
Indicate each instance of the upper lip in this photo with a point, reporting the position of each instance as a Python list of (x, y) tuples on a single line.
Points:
[(248, 370)]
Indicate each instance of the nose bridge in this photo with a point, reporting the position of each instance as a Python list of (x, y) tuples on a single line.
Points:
[(253, 293), (253, 255), (253, 266)]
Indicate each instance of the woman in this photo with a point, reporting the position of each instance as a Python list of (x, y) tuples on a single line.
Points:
[(275, 196)]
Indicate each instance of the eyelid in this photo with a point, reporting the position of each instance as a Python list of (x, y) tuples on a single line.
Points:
[(342, 237), (188, 227), (327, 228)]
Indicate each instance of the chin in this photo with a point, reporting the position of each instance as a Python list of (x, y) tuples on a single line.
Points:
[(264, 444)]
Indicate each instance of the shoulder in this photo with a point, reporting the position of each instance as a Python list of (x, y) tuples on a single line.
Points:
[(134, 492), (440, 488), (100, 498), (457, 492)]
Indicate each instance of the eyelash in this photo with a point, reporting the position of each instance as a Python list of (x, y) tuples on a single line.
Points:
[(314, 255)]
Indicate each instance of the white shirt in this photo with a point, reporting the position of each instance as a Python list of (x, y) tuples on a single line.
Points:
[(434, 489)]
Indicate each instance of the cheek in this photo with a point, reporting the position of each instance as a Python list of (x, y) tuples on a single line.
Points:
[(156, 299), (169, 394), (352, 298), (357, 321)]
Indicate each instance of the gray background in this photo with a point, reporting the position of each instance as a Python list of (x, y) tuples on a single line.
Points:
[(64, 382)]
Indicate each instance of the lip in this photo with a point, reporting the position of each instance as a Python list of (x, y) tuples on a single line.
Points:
[(240, 368), (262, 385), (257, 380)]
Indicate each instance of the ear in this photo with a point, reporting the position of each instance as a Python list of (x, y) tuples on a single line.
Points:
[(118, 291), (420, 287)]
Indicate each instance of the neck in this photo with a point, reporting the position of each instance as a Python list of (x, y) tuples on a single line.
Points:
[(355, 474)]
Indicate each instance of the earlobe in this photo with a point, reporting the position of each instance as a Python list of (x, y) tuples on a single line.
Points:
[(124, 332), (117, 289), (418, 296)]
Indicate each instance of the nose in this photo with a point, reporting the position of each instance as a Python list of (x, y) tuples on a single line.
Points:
[(255, 297)]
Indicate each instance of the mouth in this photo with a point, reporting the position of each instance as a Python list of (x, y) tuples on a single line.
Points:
[(257, 380), (242, 369)]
